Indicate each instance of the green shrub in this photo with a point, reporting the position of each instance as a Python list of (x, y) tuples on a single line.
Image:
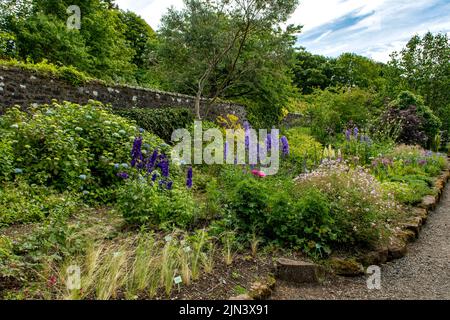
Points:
[(358, 204), (410, 193), (304, 149), (305, 220), (8, 47), (6, 157), (161, 122), (22, 203), (249, 202), (144, 203), (71, 147)]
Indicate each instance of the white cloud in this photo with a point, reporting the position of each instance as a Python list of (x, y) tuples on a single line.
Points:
[(150, 10), (378, 27)]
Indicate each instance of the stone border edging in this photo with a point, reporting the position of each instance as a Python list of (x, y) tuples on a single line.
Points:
[(406, 232)]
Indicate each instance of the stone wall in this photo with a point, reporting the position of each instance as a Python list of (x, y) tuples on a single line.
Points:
[(25, 88)]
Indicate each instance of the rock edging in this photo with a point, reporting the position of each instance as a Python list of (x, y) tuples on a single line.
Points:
[(406, 232)]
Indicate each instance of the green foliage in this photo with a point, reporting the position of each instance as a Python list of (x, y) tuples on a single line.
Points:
[(329, 112), (105, 47), (304, 220), (409, 164), (410, 192), (429, 124), (7, 45), (23, 203), (248, 201), (348, 70), (422, 67), (304, 149), (320, 211), (358, 204), (69, 74), (144, 203), (6, 156), (227, 50), (140, 36), (161, 122), (71, 147)]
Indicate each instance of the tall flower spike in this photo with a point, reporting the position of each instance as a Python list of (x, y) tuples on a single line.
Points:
[(348, 134), (225, 151), (136, 152), (152, 161), (164, 166), (285, 145), (269, 142), (189, 178)]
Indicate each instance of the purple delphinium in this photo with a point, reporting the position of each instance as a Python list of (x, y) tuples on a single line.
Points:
[(225, 151), (170, 185), (152, 161), (136, 152), (246, 125), (247, 134), (348, 134), (164, 165), (154, 176), (123, 175), (285, 145), (189, 178), (269, 142), (356, 132)]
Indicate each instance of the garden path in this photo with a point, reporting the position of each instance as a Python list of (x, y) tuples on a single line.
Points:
[(424, 273)]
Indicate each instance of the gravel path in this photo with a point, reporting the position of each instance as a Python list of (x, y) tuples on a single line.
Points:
[(423, 274)]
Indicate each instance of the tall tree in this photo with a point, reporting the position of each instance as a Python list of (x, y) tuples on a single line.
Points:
[(209, 46), (423, 67)]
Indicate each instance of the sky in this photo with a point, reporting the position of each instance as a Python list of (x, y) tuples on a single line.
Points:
[(372, 28)]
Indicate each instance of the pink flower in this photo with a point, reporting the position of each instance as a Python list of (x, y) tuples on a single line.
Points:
[(258, 173)]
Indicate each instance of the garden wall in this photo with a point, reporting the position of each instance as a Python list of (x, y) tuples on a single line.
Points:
[(24, 88)]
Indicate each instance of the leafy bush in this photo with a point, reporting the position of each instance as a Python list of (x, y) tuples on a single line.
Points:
[(6, 156), (71, 147), (304, 149), (328, 112), (7, 45), (144, 203), (416, 121), (358, 203), (322, 210), (410, 192), (161, 122), (22, 203), (304, 220), (408, 162)]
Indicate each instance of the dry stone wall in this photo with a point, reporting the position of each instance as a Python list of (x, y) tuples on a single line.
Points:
[(25, 88)]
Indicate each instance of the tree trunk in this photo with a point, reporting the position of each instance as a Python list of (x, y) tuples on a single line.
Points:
[(197, 105)]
